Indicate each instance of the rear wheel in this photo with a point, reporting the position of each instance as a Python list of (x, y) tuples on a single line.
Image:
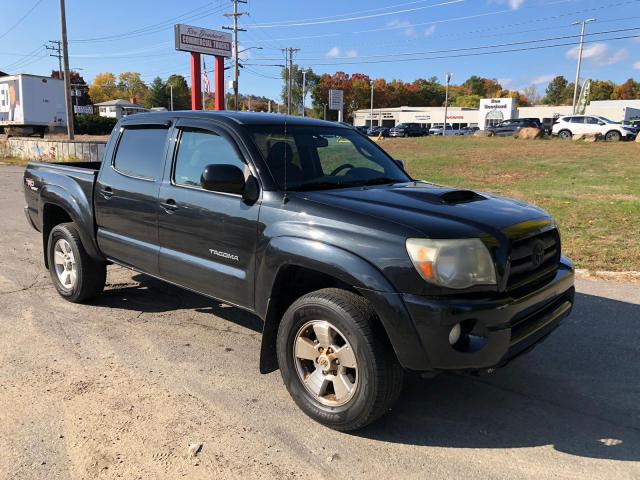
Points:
[(565, 135), (613, 136), (76, 276), (335, 361)]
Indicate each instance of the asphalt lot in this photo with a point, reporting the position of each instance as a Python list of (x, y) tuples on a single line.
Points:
[(120, 388)]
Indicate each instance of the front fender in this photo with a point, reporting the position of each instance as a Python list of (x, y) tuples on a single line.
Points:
[(347, 267)]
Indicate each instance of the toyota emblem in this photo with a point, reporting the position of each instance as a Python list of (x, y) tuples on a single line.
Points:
[(537, 256)]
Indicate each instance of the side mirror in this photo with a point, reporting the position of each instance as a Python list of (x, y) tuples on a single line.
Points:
[(400, 163), (601, 123), (223, 178), (251, 192)]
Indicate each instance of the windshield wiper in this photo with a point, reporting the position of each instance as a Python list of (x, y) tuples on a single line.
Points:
[(323, 185), (380, 181)]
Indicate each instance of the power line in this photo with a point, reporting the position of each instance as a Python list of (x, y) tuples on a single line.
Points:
[(288, 52), (361, 17), (56, 46), (475, 54), (12, 27)]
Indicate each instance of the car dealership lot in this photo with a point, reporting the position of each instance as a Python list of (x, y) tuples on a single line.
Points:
[(123, 386)]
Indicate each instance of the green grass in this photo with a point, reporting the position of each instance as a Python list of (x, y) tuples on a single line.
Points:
[(593, 190)]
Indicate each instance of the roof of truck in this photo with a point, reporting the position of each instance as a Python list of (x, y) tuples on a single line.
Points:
[(240, 118)]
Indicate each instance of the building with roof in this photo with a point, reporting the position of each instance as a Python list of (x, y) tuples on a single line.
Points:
[(118, 108), (491, 112)]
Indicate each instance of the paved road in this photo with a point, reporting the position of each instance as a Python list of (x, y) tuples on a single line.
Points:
[(120, 388)]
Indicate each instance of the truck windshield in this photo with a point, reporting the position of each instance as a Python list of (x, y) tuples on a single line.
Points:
[(320, 158)]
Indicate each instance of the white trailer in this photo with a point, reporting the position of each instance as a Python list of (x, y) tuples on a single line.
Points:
[(32, 104)]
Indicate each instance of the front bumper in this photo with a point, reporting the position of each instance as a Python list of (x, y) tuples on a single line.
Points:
[(498, 329)]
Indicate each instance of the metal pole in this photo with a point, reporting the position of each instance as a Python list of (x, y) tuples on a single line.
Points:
[(325, 110), (67, 79), (446, 105), (236, 73), (371, 123), (304, 90), (290, 82), (171, 89), (580, 51)]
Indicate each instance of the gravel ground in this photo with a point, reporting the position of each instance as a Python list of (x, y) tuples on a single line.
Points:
[(123, 387)]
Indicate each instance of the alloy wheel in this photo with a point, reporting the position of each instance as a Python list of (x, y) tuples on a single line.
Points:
[(65, 264), (325, 363)]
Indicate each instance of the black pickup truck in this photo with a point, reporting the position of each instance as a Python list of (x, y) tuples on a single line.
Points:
[(358, 271)]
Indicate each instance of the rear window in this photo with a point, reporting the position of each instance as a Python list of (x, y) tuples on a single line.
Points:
[(140, 152)]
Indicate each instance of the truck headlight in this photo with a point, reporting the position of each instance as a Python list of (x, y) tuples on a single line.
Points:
[(459, 263)]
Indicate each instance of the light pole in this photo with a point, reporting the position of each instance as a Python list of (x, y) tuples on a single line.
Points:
[(371, 83), (580, 50), (446, 104), (171, 90)]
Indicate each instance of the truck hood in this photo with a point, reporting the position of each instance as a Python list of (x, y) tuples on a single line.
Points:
[(419, 204)]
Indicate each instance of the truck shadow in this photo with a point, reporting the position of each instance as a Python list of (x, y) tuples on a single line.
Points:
[(579, 391), (155, 296)]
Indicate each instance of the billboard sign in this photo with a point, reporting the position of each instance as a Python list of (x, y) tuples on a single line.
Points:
[(336, 99), (202, 40)]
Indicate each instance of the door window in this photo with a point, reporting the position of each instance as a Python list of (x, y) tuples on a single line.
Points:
[(199, 148), (592, 121), (140, 152), (577, 120)]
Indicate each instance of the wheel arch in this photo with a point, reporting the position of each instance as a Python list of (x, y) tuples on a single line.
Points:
[(289, 270)]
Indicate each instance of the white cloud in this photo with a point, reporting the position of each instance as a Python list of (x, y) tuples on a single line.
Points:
[(599, 54), (542, 79), (505, 82), (336, 52), (430, 31), (513, 4), (636, 65), (409, 29)]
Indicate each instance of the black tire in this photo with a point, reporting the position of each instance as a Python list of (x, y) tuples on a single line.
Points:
[(380, 376), (91, 275), (613, 136), (565, 135), (491, 134)]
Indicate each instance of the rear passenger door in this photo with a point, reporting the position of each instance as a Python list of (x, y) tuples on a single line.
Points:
[(207, 238), (126, 196)]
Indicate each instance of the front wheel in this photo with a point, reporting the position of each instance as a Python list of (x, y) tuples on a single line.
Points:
[(613, 136), (336, 361), (76, 276), (565, 135)]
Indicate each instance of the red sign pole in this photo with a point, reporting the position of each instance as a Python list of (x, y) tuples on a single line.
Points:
[(196, 86), (218, 82)]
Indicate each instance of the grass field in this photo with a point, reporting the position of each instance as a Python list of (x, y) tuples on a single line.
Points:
[(593, 190)]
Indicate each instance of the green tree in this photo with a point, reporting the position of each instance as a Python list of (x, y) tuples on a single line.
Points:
[(311, 81), (628, 90), (559, 92), (181, 92), (132, 86), (601, 90), (157, 94), (467, 101)]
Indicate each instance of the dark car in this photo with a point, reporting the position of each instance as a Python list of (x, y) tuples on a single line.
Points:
[(406, 130), (377, 131), (357, 270), (509, 127)]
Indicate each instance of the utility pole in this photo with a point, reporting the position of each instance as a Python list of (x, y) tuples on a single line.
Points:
[(446, 104), (67, 79), (304, 90), (236, 72), (288, 52), (371, 123), (171, 90), (580, 51), (56, 46)]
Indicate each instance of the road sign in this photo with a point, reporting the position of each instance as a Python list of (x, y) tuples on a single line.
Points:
[(202, 40), (336, 99)]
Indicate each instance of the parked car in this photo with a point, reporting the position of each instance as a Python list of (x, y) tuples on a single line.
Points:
[(406, 130), (634, 125), (509, 127), (377, 131), (468, 131), (567, 127), (362, 129), (438, 130), (357, 270)]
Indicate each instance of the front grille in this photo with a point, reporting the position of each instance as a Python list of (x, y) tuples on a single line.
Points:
[(532, 258)]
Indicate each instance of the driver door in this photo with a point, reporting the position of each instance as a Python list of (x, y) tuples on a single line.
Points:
[(207, 238)]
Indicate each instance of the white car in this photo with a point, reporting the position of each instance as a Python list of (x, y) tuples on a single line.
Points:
[(567, 127)]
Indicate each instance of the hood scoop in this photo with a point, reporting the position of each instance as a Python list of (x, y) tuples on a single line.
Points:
[(443, 196)]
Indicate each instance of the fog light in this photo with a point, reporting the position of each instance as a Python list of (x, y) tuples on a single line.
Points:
[(454, 334)]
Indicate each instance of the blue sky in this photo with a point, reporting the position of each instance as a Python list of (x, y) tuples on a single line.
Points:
[(392, 39)]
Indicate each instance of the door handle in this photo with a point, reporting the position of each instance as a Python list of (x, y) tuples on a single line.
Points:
[(106, 192), (169, 206)]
